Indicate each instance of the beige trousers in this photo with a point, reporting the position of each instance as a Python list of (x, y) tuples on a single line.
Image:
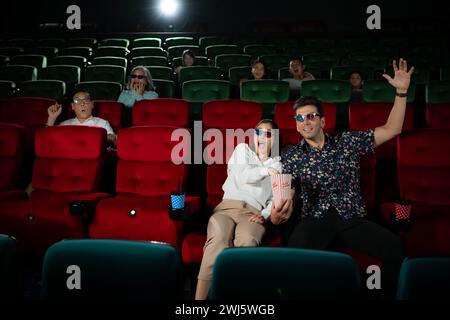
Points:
[(229, 227)]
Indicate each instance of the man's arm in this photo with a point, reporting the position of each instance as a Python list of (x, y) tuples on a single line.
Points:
[(394, 123)]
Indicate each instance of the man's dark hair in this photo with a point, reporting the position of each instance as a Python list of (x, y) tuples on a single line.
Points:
[(83, 91), (361, 74), (309, 101), (297, 58)]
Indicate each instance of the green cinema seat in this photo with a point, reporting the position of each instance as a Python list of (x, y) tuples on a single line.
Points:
[(101, 90), (9, 269), (200, 91), (424, 278), (199, 73), (105, 73), (18, 73), (51, 89), (267, 92), (283, 274), (111, 270)]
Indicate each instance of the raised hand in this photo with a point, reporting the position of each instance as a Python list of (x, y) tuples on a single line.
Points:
[(53, 112), (402, 77)]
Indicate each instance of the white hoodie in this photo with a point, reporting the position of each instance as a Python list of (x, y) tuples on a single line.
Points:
[(248, 179)]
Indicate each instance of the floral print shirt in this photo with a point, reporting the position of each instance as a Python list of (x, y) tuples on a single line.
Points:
[(331, 176)]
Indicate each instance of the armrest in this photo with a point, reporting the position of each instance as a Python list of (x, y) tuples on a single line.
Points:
[(192, 204), (180, 214), (84, 205)]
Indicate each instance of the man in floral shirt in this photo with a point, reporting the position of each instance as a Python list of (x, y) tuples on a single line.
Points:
[(325, 173)]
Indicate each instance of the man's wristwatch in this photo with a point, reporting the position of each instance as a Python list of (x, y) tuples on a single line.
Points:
[(401, 95)]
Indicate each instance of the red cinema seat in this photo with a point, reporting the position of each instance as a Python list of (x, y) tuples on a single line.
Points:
[(284, 117), (423, 162), (235, 115), (161, 112), (438, 116), (68, 166), (30, 112), (11, 153), (146, 175), (368, 115), (231, 114), (110, 111)]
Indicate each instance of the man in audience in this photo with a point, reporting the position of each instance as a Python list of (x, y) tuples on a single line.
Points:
[(82, 105), (326, 174), (298, 73)]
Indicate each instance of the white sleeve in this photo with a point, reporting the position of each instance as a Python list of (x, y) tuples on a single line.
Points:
[(107, 127), (276, 164), (266, 211), (66, 122), (241, 166)]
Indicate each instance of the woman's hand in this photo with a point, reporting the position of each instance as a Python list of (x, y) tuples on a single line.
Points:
[(139, 88), (256, 217), (272, 171)]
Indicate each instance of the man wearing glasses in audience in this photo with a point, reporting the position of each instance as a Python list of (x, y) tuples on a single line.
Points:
[(326, 176), (82, 105)]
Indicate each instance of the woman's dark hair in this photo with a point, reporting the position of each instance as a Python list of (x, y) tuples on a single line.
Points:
[(357, 72), (269, 121), (309, 101)]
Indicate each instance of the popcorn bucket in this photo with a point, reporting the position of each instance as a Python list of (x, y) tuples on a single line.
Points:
[(281, 187)]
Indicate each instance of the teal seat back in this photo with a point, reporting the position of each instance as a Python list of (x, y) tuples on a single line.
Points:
[(283, 273), (111, 269)]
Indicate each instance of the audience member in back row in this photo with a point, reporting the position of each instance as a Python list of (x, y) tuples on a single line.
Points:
[(139, 87), (187, 60), (356, 81), (298, 73), (326, 173), (82, 105), (247, 201), (258, 72)]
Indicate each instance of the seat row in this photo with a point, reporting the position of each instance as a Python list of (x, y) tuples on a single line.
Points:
[(114, 269), (31, 112), (68, 168)]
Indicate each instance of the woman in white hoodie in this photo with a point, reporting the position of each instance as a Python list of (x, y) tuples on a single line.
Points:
[(238, 221)]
